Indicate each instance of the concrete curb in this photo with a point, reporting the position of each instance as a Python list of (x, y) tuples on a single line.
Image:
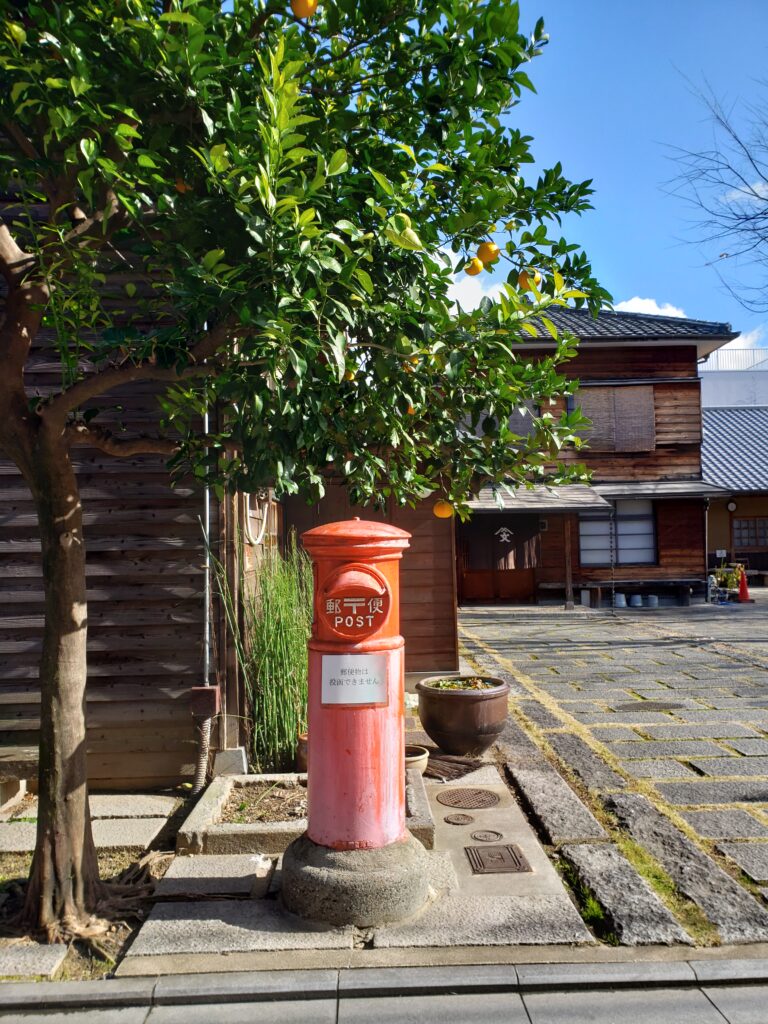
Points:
[(349, 983)]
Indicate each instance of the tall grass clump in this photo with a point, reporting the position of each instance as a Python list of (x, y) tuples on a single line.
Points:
[(270, 637)]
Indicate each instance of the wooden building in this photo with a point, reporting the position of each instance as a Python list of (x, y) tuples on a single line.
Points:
[(735, 458), (641, 525)]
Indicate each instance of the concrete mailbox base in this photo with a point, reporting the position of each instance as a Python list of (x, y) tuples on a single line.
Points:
[(360, 887)]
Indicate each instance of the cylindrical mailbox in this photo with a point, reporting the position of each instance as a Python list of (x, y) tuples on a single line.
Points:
[(356, 785)]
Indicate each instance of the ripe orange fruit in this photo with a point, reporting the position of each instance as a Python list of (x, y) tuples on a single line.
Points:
[(487, 252), (304, 8), (525, 279), (442, 509), (349, 375), (182, 186), (411, 411), (413, 360), (474, 267)]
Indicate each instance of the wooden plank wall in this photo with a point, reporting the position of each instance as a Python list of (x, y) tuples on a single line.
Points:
[(145, 621), (427, 574)]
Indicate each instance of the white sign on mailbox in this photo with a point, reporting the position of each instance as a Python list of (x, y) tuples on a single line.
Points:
[(354, 679)]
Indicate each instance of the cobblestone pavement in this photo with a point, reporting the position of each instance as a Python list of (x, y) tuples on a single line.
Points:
[(666, 710)]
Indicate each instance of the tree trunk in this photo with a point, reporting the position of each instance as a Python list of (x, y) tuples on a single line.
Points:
[(64, 882)]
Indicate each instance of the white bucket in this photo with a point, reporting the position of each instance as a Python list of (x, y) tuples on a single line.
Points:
[(652, 601), (619, 601), (636, 601)]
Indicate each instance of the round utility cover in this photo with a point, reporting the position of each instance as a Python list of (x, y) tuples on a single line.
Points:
[(469, 799), (459, 819), (487, 837)]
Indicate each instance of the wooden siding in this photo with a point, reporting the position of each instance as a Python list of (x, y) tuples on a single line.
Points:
[(679, 542), (145, 594), (427, 574), (607, 362)]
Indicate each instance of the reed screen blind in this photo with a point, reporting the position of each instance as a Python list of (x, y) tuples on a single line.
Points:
[(623, 418)]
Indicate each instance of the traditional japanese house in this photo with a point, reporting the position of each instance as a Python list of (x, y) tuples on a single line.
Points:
[(640, 527), (735, 458)]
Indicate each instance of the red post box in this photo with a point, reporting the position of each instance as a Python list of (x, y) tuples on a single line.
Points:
[(356, 788), (356, 862)]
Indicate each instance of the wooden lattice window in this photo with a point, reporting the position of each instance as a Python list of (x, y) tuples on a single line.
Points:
[(623, 418), (750, 534)]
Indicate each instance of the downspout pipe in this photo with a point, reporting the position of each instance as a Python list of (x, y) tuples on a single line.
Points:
[(203, 724)]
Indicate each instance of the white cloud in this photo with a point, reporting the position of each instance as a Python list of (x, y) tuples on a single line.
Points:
[(754, 193), (638, 305), (750, 339), (469, 291)]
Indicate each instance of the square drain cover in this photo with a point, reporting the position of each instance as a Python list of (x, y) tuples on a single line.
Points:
[(496, 860)]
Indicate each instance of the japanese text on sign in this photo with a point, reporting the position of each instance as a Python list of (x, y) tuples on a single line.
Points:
[(354, 612), (354, 679)]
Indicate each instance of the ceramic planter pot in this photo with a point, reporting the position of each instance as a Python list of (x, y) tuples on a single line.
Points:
[(463, 721), (416, 757)]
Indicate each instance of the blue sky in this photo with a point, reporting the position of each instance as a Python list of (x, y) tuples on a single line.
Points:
[(616, 92)]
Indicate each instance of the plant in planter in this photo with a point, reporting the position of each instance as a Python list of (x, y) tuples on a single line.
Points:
[(463, 714)]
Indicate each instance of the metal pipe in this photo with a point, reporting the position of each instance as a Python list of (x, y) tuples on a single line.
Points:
[(203, 725)]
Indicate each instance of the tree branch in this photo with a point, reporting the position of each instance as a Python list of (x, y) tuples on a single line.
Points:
[(14, 262), (24, 309), (98, 437)]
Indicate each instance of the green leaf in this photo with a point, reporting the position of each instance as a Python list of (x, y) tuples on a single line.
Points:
[(180, 17), (365, 279), (130, 289), (16, 32), (385, 183), (146, 161), (219, 158), (17, 89), (549, 326), (212, 257), (338, 163), (89, 148), (79, 85), (55, 83), (338, 345)]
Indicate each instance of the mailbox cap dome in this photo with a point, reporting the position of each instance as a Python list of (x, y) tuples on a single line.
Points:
[(360, 534)]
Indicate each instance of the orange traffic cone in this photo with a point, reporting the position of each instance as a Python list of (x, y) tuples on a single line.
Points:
[(743, 588)]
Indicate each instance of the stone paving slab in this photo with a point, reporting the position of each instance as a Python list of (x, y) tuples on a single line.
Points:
[(631, 717), (705, 792), (637, 915), (30, 960), (477, 921), (232, 926), (539, 715), (669, 748), (714, 731), (657, 768), (616, 734), (590, 768), (246, 874), (488, 1007), (752, 858), (560, 812), (108, 833), (733, 767), (132, 805), (737, 916), (734, 824), (749, 747)]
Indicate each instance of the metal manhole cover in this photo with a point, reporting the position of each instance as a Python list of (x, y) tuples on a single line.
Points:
[(470, 799), (649, 705), (496, 860), (459, 819), (487, 837)]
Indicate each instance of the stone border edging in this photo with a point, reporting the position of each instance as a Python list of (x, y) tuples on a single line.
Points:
[(347, 983)]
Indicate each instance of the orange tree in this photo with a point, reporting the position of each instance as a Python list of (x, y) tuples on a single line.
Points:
[(262, 212)]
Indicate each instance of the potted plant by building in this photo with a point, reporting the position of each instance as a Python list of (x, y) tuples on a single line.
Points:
[(463, 714)]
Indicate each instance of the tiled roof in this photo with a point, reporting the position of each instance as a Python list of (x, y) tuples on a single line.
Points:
[(631, 325), (659, 489), (567, 498), (734, 450)]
